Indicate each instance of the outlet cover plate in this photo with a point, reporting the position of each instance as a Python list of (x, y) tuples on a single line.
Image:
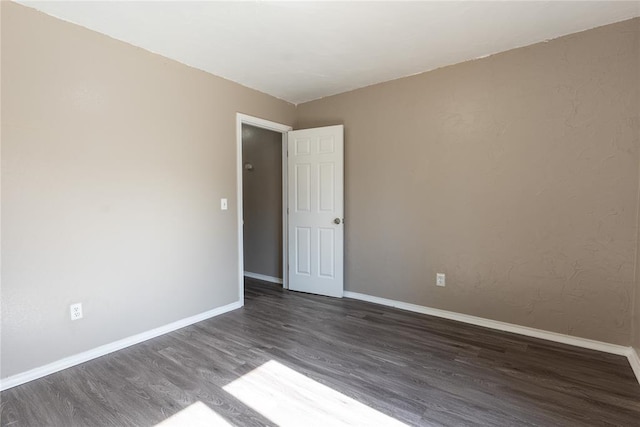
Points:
[(440, 279), (76, 311)]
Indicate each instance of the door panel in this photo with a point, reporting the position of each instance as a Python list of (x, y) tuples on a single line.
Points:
[(303, 187), (316, 210), (303, 251)]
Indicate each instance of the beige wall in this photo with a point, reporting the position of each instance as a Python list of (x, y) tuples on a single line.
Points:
[(114, 161), (516, 175), (262, 204)]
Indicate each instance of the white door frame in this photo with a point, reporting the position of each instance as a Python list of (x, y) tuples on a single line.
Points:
[(276, 127)]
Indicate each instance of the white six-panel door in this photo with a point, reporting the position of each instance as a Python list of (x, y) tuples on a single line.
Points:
[(316, 210)]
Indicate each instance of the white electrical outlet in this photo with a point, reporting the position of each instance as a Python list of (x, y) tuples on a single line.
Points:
[(223, 204), (76, 311), (440, 280)]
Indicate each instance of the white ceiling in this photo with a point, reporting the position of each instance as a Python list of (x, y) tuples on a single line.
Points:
[(300, 51)]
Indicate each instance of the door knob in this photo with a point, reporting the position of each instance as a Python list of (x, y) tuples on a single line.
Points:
[(336, 221)]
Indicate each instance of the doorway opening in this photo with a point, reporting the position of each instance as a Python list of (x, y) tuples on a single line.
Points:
[(262, 202)]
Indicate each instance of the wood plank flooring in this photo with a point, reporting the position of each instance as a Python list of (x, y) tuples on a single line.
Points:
[(416, 369)]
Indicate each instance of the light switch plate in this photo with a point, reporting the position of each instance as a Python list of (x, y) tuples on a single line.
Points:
[(223, 204)]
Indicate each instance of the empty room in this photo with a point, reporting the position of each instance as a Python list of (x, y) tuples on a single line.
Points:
[(320, 213)]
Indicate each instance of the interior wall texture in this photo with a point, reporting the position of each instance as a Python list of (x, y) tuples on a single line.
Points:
[(516, 175), (262, 201), (114, 161)]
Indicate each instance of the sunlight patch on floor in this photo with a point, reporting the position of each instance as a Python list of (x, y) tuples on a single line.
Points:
[(195, 415), (288, 398)]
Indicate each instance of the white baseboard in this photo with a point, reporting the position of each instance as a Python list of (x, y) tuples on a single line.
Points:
[(634, 361), (263, 277), (508, 327), (85, 356)]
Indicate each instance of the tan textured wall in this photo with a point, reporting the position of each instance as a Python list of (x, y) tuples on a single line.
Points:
[(113, 164), (262, 204), (516, 175)]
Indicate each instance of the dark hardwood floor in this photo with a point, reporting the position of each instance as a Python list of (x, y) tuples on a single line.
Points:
[(416, 369)]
